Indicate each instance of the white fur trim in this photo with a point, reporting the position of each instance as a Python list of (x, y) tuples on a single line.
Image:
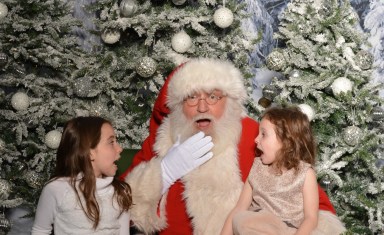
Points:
[(206, 74)]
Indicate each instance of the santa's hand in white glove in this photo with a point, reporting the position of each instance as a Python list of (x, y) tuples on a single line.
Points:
[(183, 158)]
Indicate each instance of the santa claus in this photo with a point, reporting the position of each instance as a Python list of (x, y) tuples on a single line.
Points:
[(181, 182)]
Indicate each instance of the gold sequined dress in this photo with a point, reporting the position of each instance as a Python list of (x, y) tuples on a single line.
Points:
[(279, 194)]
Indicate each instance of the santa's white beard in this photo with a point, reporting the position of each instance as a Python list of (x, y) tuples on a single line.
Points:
[(223, 130)]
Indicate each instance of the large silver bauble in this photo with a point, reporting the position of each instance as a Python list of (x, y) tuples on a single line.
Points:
[(3, 10), (276, 60), (364, 60), (110, 36), (83, 86), (146, 67), (270, 92), (34, 179), (128, 7), (352, 135)]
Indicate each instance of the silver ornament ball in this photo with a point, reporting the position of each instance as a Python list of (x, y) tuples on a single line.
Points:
[(5, 189), (99, 109), (52, 139), (3, 10), (294, 74), (270, 92), (20, 101), (146, 67), (110, 36), (276, 61), (128, 7), (364, 60), (83, 86), (34, 179), (377, 114), (352, 135)]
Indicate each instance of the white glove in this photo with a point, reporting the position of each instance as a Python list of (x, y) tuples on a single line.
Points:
[(183, 158)]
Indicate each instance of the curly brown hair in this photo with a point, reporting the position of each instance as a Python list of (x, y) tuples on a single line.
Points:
[(293, 130)]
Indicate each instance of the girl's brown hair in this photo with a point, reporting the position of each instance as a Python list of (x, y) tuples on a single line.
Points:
[(80, 135), (293, 130)]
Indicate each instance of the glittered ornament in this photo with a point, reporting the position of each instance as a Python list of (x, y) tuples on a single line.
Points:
[(352, 135), (128, 7), (270, 92), (5, 189), (294, 74), (223, 17), (52, 139), (83, 86), (341, 85), (98, 109), (3, 59), (178, 2), (5, 224), (364, 60), (181, 42), (110, 36), (379, 163), (307, 110), (276, 61), (34, 179), (3, 10), (146, 67), (377, 114), (20, 101)]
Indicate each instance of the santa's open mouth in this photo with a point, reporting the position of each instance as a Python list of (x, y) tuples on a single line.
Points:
[(204, 122)]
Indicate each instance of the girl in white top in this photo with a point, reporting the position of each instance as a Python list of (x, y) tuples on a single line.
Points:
[(83, 197)]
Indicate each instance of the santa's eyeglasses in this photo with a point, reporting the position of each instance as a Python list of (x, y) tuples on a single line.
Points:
[(210, 99)]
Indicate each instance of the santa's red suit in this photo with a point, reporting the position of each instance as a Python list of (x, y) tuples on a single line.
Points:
[(200, 202)]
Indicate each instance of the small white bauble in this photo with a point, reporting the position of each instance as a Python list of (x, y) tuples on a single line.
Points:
[(20, 101), (223, 17), (341, 84), (178, 2), (307, 110), (181, 42), (110, 36), (52, 139), (3, 10), (128, 7)]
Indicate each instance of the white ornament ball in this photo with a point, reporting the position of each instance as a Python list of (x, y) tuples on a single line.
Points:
[(341, 85), (223, 17), (5, 189), (20, 101), (52, 139), (110, 36), (307, 110), (128, 7), (178, 2), (3, 10), (181, 42)]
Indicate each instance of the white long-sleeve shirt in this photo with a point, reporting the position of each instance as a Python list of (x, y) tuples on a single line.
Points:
[(58, 206)]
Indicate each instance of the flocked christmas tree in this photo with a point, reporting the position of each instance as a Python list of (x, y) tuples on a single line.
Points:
[(48, 77), (327, 70)]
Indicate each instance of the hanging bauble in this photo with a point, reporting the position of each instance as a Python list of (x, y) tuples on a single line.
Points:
[(20, 101), (264, 102), (294, 74), (83, 86), (341, 85), (352, 135), (52, 139), (5, 224), (276, 60), (34, 179), (178, 2), (3, 10), (379, 163), (99, 109), (19, 71), (270, 92), (364, 60), (307, 110), (181, 42), (110, 36), (326, 182), (5, 189), (223, 17), (377, 114), (3, 60), (146, 67), (128, 7)]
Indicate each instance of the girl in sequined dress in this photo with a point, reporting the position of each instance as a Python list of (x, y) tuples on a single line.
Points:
[(280, 195)]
